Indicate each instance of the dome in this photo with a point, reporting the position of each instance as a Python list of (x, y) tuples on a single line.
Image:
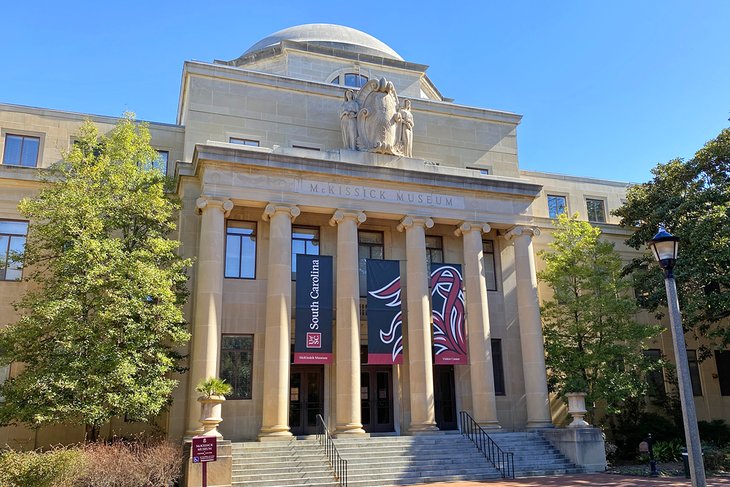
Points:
[(329, 35)]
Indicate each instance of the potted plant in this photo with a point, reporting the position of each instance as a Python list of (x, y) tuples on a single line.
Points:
[(577, 401), (212, 391)]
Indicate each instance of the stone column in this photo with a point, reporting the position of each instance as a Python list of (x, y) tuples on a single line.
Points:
[(528, 311), (277, 347), (420, 361), (208, 300), (347, 347), (484, 402)]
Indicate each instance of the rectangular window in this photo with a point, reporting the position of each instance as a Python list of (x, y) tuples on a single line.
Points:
[(655, 379), (239, 141), (12, 245), (596, 210), (722, 360), (240, 249), (556, 205), (490, 265), (304, 240), (161, 162), (498, 367), (434, 250), (482, 170), (237, 364), (694, 372), (21, 150), (305, 147), (369, 246)]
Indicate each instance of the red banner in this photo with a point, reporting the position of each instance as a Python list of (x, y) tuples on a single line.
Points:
[(449, 319)]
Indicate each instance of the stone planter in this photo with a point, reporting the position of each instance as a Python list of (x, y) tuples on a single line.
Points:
[(577, 409), (210, 414)]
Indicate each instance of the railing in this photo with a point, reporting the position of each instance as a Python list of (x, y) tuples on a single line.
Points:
[(339, 465), (503, 461)]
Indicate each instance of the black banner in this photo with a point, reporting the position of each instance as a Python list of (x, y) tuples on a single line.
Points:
[(313, 326), (385, 330), (448, 314)]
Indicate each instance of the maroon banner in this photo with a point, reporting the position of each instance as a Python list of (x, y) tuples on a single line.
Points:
[(313, 324), (449, 320)]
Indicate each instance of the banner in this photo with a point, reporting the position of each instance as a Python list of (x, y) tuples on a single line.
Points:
[(385, 333), (313, 325), (449, 324)]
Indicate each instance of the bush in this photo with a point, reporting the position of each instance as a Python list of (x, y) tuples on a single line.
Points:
[(668, 451), (715, 458), (717, 432), (55, 468)]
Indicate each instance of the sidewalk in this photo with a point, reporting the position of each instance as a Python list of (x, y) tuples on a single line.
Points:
[(595, 480)]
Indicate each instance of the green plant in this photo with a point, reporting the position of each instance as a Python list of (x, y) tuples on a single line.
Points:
[(213, 386), (668, 451), (60, 467), (716, 432)]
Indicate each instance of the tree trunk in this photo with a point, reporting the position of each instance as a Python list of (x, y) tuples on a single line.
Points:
[(92, 433)]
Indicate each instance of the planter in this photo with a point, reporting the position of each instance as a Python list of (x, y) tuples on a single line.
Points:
[(577, 409), (210, 414)]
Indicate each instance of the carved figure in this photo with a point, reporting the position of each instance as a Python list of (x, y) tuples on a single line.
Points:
[(348, 120), (406, 129)]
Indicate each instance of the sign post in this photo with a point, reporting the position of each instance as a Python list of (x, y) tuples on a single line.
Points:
[(204, 450)]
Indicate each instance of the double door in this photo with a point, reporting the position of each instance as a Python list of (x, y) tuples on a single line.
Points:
[(376, 398), (445, 397), (306, 398)]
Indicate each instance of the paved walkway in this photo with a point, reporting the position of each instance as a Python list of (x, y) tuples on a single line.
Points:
[(595, 480)]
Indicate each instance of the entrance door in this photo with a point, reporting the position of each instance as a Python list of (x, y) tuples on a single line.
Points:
[(445, 397), (376, 398), (306, 398)]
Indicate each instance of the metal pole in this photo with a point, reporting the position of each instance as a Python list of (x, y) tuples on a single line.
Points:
[(686, 397)]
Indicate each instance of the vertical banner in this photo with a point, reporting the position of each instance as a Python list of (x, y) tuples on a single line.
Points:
[(385, 333), (449, 323), (313, 325)]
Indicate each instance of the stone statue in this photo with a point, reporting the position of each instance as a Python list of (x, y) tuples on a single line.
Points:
[(406, 129), (348, 120)]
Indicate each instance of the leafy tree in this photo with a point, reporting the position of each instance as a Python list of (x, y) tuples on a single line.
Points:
[(99, 326), (692, 198), (592, 342)]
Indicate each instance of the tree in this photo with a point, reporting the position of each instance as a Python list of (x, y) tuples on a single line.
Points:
[(692, 199), (98, 328), (592, 342)]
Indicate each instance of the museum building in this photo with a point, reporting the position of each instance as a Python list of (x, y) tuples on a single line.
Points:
[(365, 248)]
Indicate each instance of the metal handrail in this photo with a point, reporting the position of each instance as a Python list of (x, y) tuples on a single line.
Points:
[(339, 464), (504, 461)]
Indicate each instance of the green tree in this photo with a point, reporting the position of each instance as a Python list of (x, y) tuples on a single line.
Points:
[(692, 199), (592, 342), (98, 328)]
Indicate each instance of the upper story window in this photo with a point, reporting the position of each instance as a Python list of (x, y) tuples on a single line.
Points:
[(556, 205), (240, 141), (596, 210), (490, 266), (694, 372), (161, 162), (240, 249), (21, 150), (354, 80), (498, 367), (304, 240), (12, 245), (655, 378), (434, 250), (370, 245), (305, 147)]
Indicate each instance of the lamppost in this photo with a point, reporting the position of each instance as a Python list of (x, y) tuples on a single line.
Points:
[(665, 247)]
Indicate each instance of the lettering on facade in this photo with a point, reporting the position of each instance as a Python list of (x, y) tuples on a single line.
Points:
[(369, 193)]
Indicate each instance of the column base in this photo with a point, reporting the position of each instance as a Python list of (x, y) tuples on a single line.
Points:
[(539, 425), (423, 429), (275, 433), (350, 430)]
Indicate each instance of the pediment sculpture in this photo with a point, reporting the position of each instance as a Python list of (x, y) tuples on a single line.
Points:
[(374, 120)]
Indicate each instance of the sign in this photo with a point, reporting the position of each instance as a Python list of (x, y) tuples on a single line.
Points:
[(385, 333), (449, 317), (313, 325), (205, 449), (644, 447)]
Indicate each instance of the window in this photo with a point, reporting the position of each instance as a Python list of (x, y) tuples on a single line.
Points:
[(434, 250), (694, 372), (304, 147), (161, 162), (490, 266), (12, 244), (556, 205), (655, 378), (304, 240), (370, 246), (21, 150), (237, 364), (240, 249), (4, 375), (239, 141), (498, 367), (350, 79), (482, 170), (722, 360), (596, 211)]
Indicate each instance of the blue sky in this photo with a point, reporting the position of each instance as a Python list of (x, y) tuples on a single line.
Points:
[(607, 89)]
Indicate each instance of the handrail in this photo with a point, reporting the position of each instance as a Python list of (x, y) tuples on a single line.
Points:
[(339, 465), (504, 461)]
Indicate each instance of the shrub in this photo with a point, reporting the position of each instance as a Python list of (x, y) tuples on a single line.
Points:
[(717, 432), (668, 451), (715, 458), (55, 468)]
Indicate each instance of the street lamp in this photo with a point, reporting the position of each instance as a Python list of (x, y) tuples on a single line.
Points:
[(665, 247)]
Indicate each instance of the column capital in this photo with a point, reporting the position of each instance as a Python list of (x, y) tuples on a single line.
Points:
[(341, 215), (292, 211), (208, 202), (467, 227), (522, 231), (411, 221)]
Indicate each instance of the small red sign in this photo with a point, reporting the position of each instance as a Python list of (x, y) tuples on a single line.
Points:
[(205, 449), (314, 340)]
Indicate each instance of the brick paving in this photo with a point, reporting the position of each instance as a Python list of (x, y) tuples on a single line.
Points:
[(594, 480)]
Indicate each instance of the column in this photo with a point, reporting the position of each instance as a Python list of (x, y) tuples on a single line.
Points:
[(208, 300), (420, 361), (484, 402), (347, 346), (277, 348), (528, 312)]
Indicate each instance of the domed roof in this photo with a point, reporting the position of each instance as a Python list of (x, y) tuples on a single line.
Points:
[(329, 35)]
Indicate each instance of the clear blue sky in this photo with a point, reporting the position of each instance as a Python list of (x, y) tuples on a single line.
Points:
[(607, 89)]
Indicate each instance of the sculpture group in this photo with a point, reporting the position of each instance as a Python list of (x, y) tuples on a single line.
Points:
[(374, 120)]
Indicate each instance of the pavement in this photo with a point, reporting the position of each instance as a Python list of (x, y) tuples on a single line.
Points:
[(593, 480)]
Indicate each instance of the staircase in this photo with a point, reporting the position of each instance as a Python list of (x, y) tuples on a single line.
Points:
[(534, 455)]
